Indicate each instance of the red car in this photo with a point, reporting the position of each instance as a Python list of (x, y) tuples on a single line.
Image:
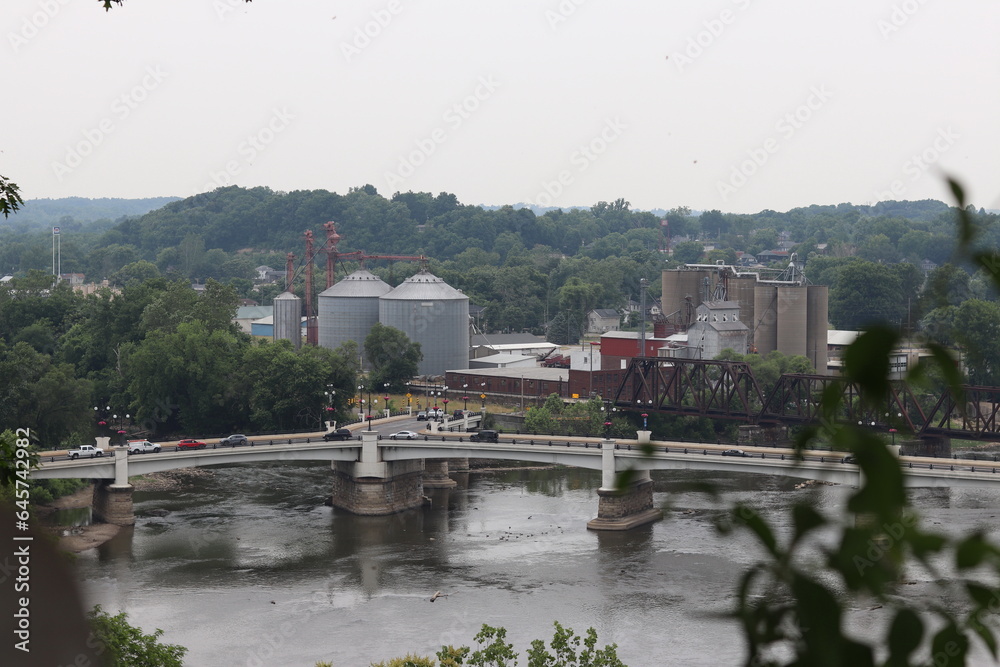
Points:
[(191, 444)]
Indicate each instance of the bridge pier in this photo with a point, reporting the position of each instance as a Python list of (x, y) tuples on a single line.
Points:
[(112, 503), (627, 508), (436, 474), (458, 465), (373, 487)]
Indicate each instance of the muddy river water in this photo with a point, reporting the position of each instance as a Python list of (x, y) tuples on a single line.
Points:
[(249, 567)]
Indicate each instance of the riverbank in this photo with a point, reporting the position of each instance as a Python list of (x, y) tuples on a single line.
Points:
[(76, 539)]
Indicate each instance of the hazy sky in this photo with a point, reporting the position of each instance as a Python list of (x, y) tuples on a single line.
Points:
[(739, 105)]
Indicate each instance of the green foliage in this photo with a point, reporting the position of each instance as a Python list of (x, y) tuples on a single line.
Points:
[(46, 490), (123, 645), (792, 608), (10, 196), (394, 359)]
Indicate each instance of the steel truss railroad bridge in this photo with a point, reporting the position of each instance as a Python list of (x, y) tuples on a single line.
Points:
[(729, 390)]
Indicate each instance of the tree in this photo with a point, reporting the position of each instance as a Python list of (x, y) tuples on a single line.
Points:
[(123, 645), (392, 356), (713, 223), (10, 197), (866, 293), (689, 252)]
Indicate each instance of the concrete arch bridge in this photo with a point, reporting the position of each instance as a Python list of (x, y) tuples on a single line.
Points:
[(376, 477)]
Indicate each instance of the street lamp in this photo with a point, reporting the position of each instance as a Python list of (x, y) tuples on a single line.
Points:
[(644, 417), (331, 395), (361, 402), (369, 410), (893, 431)]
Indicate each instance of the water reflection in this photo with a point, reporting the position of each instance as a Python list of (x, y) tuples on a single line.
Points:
[(254, 548)]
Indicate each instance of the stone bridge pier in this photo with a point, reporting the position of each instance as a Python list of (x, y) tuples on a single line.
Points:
[(623, 508), (112, 501), (374, 487)]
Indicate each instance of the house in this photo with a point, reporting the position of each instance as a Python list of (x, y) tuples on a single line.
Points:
[(245, 315), (717, 326), (601, 320), (266, 274)]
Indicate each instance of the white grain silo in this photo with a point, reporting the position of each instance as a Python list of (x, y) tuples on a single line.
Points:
[(348, 309), (288, 318), (434, 314)]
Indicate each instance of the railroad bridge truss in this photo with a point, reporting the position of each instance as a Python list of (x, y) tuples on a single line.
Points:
[(729, 390)]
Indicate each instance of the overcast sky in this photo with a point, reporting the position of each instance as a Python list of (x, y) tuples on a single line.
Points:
[(739, 105)]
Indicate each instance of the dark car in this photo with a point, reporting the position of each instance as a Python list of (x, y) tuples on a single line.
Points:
[(485, 436), (734, 452), (421, 416), (191, 444), (849, 459), (234, 440), (458, 414), (339, 434)]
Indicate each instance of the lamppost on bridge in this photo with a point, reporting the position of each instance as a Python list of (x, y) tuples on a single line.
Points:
[(445, 400), (465, 398), (409, 400), (369, 408), (385, 386), (644, 417), (331, 395)]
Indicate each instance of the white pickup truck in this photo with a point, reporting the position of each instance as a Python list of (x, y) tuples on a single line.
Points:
[(142, 447), (85, 450)]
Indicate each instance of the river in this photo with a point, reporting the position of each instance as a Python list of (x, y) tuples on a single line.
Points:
[(249, 567)]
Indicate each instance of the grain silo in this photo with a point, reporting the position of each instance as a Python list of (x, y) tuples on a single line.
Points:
[(764, 327), (288, 318), (680, 283), (434, 314), (348, 309), (792, 307), (741, 290), (818, 298)]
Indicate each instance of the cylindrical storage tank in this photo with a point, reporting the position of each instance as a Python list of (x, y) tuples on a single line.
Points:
[(764, 326), (288, 318), (817, 326), (434, 314), (792, 319), (349, 309), (741, 290), (681, 283)]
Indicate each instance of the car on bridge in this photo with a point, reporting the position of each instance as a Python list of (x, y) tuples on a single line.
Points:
[(234, 440), (403, 435), (339, 434), (191, 444), (421, 416), (849, 459), (142, 447), (85, 450), (486, 435), (734, 452)]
